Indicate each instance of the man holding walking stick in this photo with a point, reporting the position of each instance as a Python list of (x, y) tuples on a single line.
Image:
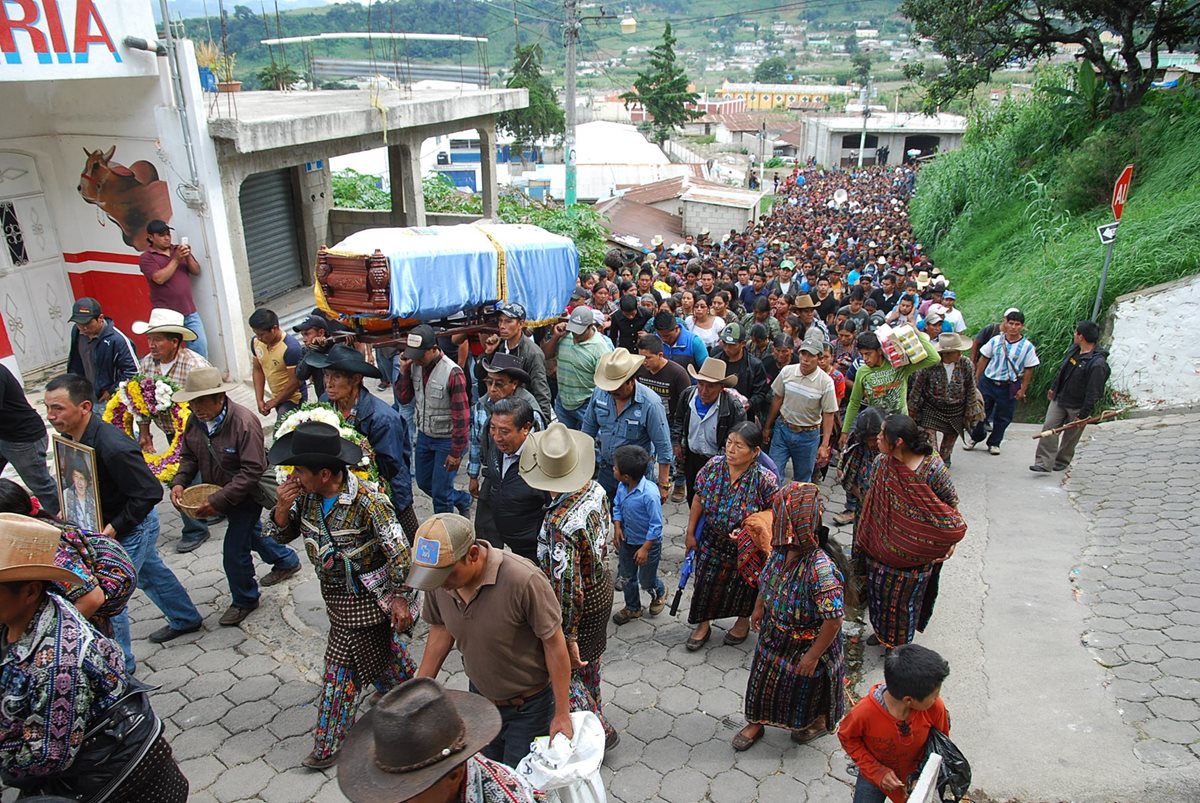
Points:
[(1076, 391)]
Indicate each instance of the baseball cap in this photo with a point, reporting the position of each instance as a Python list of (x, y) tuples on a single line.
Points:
[(580, 294), (157, 227), (787, 264), (440, 542), (664, 322), (733, 333), (311, 322), (949, 294), (814, 342), (513, 310), (85, 309), (581, 318), (420, 340)]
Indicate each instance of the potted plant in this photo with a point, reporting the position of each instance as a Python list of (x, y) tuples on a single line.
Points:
[(226, 82), (207, 56)]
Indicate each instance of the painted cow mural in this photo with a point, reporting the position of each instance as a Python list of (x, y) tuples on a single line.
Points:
[(130, 196)]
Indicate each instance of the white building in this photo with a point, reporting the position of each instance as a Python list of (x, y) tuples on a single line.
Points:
[(835, 140)]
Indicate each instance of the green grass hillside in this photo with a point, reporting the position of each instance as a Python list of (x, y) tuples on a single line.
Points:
[(1012, 216)]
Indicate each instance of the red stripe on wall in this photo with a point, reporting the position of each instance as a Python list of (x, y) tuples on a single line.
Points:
[(102, 256), (124, 297), (6, 349)]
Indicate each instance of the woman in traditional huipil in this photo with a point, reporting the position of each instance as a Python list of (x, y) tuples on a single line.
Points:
[(728, 489), (798, 670)]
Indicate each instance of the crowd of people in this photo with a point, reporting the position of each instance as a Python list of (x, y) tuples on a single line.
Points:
[(730, 373)]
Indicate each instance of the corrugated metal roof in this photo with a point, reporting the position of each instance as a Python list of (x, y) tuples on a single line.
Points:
[(630, 219), (740, 199)]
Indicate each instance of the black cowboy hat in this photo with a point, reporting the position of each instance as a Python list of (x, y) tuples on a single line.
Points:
[(314, 445), (417, 734), (506, 364), (342, 358)]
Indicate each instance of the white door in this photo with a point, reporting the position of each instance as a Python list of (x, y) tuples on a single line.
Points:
[(35, 294)]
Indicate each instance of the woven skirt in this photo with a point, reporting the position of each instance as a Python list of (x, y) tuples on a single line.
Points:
[(896, 600), (719, 591), (156, 779), (593, 620), (776, 694), (360, 634)]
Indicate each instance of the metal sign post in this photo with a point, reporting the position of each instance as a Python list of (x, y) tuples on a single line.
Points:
[(1108, 232)]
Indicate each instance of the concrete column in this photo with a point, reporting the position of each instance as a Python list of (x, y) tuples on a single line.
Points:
[(396, 178), (410, 182), (487, 168)]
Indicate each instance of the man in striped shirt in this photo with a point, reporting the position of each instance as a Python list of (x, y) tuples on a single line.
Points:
[(1003, 373)]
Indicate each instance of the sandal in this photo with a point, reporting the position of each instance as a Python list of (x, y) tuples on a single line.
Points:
[(733, 640), (694, 643), (742, 742)]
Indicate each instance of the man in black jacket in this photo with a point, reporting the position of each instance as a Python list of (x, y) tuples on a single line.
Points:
[(703, 419), (751, 376), (1077, 389), (23, 441), (510, 512), (128, 494), (100, 351)]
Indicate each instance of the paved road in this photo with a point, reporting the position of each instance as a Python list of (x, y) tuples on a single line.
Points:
[(1055, 694)]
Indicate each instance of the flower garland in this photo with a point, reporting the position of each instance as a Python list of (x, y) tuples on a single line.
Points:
[(325, 413), (150, 396)]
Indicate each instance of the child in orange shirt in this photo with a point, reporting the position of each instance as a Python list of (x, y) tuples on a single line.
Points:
[(885, 733)]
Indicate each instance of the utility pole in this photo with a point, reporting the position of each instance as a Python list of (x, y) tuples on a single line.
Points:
[(516, 27), (864, 98), (572, 34)]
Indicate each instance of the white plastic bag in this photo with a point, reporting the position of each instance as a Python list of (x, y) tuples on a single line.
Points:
[(568, 771)]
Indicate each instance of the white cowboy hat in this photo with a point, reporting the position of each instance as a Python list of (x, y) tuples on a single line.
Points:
[(164, 321), (558, 460), (203, 382), (615, 368), (657, 241), (953, 341), (28, 549), (922, 280), (713, 370), (704, 232)]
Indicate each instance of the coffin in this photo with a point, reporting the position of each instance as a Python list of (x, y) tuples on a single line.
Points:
[(406, 275)]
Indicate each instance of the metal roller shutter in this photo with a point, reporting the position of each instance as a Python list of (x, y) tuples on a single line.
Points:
[(269, 227)]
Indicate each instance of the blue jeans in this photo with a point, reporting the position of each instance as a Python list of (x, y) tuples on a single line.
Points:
[(200, 344), (385, 361), (193, 529), (29, 460), (571, 419), (519, 726), (159, 582), (244, 534), (434, 479), (867, 792), (800, 447), (647, 574), (999, 406)]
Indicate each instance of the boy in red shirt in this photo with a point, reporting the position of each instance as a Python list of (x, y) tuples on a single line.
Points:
[(885, 733)]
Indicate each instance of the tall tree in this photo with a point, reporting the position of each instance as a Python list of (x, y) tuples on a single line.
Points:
[(771, 71), (543, 118), (663, 90), (862, 67), (978, 37)]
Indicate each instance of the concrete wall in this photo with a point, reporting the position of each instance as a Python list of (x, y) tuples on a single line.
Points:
[(1138, 326), (344, 222), (717, 219)]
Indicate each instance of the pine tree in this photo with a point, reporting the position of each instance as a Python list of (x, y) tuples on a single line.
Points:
[(543, 118), (663, 90)]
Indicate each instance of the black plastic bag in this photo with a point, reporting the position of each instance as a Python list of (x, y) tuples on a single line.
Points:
[(954, 776)]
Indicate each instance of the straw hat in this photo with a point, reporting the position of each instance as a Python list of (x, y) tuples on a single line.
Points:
[(713, 370), (953, 341), (27, 550), (203, 382), (804, 301), (616, 368), (414, 737), (164, 321), (922, 280), (558, 460), (657, 240)]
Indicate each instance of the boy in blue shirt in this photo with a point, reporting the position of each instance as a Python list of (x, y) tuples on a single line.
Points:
[(638, 527)]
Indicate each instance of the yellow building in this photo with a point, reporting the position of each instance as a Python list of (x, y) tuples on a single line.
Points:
[(764, 97)]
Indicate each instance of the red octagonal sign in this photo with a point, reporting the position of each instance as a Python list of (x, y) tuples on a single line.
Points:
[(1121, 191)]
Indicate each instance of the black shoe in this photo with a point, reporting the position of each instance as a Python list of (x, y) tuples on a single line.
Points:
[(168, 633), (1062, 468), (191, 545), (278, 575), (1039, 469)]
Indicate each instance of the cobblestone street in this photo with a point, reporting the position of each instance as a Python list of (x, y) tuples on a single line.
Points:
[(1140, 577)]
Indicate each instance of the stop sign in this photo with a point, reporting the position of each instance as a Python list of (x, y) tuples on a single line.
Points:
[(1121, 191)]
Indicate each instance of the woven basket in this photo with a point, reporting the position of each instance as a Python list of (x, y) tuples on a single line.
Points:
[(195, 496)]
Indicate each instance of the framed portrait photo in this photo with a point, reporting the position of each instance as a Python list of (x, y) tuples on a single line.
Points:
[(78, 485)]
